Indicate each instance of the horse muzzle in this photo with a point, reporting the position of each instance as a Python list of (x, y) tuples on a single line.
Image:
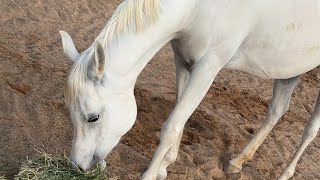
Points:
[(84, 165)]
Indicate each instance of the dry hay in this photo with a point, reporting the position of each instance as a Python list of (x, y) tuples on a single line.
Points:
[(51, 167)]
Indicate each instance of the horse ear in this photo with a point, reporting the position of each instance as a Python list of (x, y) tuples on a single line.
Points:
[(69, 47), (97, 62)]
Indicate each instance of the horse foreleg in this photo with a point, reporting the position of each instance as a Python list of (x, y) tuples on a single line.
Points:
[(309, 134), (202, 76), (182, 78), (282, 90)]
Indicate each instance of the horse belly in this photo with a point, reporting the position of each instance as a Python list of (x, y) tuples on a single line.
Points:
[(272, 64), (283, 44)]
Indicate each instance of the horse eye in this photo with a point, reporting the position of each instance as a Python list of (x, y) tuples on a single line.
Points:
[(93, 118)]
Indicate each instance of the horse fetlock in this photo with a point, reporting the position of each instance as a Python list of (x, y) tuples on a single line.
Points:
[(233, 168), (148, 176), (246, 154), (249, 155), (287, 174), (168, 159), (170, 156), (162, 174), (161, 177)]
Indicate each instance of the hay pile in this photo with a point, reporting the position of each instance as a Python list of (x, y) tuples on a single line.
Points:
[(56, 168)]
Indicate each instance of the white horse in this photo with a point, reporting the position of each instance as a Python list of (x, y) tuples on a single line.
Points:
[(270, 39)]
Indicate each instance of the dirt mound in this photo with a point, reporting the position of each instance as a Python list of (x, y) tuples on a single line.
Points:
[(33, 70)]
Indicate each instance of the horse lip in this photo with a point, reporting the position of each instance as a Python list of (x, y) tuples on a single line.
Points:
[(82, 167)]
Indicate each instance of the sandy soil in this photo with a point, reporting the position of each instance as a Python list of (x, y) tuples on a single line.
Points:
[(33, 115)]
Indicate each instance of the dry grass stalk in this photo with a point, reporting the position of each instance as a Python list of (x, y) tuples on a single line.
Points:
[(56, 168)]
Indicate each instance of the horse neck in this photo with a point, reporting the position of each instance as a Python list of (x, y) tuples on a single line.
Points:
[(129, 52)]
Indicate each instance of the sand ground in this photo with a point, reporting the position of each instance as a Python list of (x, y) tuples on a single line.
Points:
[(33, 116)]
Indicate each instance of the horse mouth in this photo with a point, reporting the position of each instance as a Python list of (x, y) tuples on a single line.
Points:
[(85, 167)]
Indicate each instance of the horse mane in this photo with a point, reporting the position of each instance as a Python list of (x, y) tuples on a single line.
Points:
[(134, 15), (131, 15)]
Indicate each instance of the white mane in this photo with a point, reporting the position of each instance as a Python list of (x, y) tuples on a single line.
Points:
[(131, 15)]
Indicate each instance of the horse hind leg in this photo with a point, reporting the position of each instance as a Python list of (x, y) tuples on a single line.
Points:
[(282, 91), (182, 78), (309, 134)]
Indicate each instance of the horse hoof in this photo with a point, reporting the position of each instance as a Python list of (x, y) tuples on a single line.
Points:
[(231, 169)]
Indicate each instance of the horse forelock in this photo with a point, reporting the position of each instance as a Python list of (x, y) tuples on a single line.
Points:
[(77, 76), (131, 15)]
